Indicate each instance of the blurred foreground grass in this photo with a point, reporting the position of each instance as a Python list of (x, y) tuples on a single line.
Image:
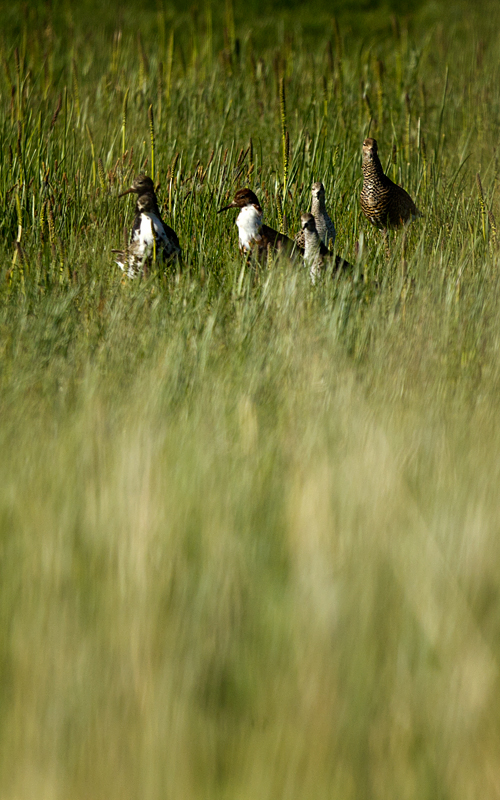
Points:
[(239, 562), (249, 527)]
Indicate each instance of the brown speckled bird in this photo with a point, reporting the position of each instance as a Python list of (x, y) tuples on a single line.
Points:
[(316, 254), (254, 237), (383, 202)]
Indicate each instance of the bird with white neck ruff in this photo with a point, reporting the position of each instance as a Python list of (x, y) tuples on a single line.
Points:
[(255, 237), (148, 235), (143, 187)]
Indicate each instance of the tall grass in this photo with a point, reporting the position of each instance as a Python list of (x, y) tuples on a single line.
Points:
[(248, 526)]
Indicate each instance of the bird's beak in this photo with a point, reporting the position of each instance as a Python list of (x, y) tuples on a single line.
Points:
[(127, 191), (231, 205)]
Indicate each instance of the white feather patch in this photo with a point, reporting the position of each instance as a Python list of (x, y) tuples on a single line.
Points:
[(249, 221)]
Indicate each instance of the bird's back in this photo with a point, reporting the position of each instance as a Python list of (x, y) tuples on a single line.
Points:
[(326, 229), (172, 239), (275, 240)]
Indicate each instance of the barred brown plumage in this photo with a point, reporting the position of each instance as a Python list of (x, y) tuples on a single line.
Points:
[(384, 203), (324, 225)]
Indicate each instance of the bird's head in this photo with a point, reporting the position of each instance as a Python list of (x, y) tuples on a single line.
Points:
[(145, 203), (370, 150), (307, 222), (142, 184), (318, 190), (243, 197)]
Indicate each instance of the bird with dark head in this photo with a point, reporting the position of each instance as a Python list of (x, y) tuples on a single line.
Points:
[(254, 237), (243, 197), (383, 202), (316, 254), (143, 187), (149, 238)]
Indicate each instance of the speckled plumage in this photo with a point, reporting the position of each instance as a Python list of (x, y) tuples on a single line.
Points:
[(324, 225), (316, 254), (383, 202)]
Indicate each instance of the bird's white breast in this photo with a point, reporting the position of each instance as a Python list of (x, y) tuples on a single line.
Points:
[(248, 221), (151, 228)]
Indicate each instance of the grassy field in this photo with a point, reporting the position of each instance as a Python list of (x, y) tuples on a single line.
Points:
[(249, 527)]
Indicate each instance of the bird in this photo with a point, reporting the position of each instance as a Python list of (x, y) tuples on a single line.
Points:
[(324, 225), (384, 203), (143, 185), (148, 234), (254, 237), (316, 253)]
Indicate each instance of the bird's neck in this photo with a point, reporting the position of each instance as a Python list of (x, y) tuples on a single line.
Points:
[(372, 168), (318, 206), (149, 225), (312, 244)]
